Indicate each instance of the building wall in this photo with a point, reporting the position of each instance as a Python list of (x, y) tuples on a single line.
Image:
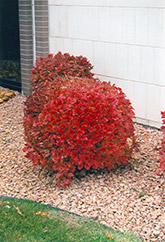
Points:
[(26, 43), (34, 40), (41, 28), (123, 39)]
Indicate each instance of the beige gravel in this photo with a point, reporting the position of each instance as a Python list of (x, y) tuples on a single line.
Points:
[(128, 199)]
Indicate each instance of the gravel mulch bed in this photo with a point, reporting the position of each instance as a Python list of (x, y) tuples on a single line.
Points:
[(128, 199)]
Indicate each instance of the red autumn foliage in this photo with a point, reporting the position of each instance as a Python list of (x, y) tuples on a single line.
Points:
[(162, 149), (39, 97), (52, 66), (83, 123)]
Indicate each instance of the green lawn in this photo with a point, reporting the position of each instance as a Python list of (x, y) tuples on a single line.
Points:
[(23, 220)]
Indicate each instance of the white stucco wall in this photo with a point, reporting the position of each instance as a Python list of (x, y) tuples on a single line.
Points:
[(123, 39)]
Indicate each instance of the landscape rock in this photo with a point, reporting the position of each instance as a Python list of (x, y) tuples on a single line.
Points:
[(110, 197)]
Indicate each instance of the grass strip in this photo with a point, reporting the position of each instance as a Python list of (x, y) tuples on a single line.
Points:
[(24, 220)]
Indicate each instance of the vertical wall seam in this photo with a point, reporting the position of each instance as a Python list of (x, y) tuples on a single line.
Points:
[(162, 27), (33, 32), (41, 34), (148, 26)]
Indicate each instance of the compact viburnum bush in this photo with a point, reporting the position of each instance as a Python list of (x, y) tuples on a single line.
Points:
[(51, 66), (83, 123), (162, 149)]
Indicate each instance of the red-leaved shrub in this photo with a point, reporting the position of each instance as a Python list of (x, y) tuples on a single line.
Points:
[(82, 124), (54, 69), (36, 101), (162, 149), (51, 66)]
